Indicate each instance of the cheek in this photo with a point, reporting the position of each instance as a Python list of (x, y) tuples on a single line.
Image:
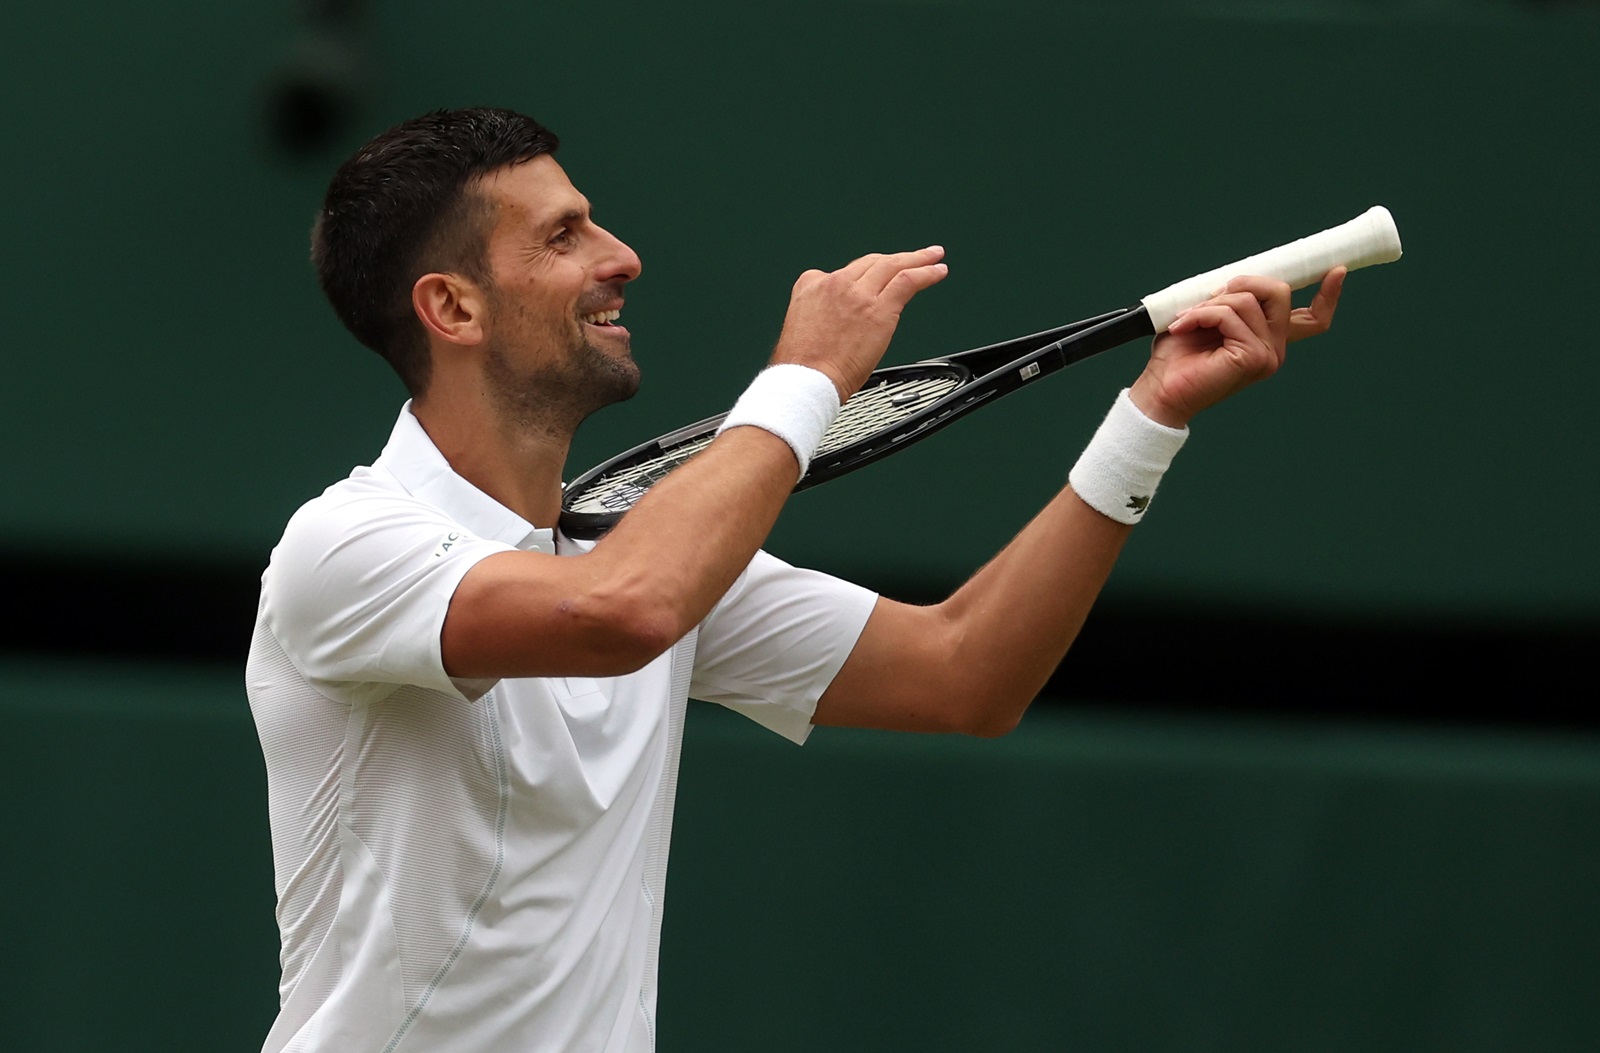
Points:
[(552, 291), (535, 307)]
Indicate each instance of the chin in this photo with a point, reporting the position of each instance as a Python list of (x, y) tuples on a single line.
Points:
[(615, 380), (628, 385)]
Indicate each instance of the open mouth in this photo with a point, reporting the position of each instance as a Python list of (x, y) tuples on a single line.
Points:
[(602, 318)]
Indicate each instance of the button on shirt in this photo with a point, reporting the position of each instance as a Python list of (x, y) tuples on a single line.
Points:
[(478, 865)]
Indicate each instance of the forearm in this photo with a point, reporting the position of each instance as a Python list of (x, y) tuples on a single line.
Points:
[(1010, 625), (644, 585), (683, 545), (973, 663)]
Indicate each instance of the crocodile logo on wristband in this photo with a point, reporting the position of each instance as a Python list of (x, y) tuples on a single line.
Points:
[(1139, 504)]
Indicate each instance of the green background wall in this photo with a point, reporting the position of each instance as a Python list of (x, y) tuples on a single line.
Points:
[(1096, 882), (178, 387), (1100, 880)]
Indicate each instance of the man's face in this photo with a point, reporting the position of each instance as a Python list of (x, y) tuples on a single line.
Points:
[(555, 350)]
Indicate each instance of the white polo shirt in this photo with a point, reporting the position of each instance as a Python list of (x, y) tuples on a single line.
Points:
[(476, 865)]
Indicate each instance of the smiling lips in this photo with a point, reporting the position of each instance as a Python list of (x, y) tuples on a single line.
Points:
[(601, 317)]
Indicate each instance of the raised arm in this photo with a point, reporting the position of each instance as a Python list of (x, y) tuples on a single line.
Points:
[(973, 663), (655, 576)]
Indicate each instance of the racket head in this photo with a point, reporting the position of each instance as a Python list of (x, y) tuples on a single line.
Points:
[(872, 422), (592, 503)]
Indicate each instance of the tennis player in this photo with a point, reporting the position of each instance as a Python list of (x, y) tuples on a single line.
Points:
[(471, 723)]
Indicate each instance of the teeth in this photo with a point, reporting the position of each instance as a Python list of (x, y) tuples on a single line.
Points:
[(602, 317)]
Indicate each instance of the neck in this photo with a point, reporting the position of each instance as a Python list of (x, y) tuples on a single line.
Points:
[(518, 465)]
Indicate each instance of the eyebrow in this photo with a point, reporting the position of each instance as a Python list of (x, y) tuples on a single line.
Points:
[(571, 215)]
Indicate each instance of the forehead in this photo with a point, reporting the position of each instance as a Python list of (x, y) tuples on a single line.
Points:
[(533, 193)]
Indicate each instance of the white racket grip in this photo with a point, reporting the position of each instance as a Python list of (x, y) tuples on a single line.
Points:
[(1368, 239)]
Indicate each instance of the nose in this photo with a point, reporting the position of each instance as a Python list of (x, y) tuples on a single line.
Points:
[(619, 262)]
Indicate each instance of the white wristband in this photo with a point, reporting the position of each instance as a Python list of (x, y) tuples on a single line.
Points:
[(1119, 469), (795, 403)]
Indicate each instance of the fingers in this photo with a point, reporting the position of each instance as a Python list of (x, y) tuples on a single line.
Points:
[(907, 283), (888, 280), (1259, 305), (1232, 322), (1236, 316), (1273, 297), (858, 266), (882, 266), (1315, 320), (840, 322), (1235, 326), (896, 277), (900, 275), (1302, 322)]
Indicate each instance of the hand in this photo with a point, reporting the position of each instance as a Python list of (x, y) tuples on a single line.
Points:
[(841, 322), (1315, 320), (1219, 347)]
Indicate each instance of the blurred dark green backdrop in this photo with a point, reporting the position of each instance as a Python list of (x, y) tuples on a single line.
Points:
[(182, 386), (1096, 882)]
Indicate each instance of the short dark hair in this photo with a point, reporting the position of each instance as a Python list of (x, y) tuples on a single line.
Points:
[(403, 206)]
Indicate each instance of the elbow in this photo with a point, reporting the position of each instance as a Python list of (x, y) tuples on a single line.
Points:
[(636, 634), (975, 704), (652, 633), (989, 709), (979, 711), (621, 622), (510, 619)]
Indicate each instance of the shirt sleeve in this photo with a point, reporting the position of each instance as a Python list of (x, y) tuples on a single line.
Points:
[(357, 590), (775, 641)]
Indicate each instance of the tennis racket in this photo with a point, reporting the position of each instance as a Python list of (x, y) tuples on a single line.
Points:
[(900, 405)]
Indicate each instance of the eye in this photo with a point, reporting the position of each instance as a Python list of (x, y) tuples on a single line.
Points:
[(564, 238)]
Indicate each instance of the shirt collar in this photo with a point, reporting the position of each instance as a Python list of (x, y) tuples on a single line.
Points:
[(412, 458)]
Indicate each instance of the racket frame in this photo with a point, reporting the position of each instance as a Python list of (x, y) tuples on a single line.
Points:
[(983, 374)]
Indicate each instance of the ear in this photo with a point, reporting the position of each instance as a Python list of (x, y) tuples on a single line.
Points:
[(451, 308)]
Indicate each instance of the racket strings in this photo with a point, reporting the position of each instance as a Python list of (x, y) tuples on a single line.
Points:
[(869, 412), (619, 490), (880, 407)]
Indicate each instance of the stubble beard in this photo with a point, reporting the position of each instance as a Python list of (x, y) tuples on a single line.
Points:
[(553, 399)]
